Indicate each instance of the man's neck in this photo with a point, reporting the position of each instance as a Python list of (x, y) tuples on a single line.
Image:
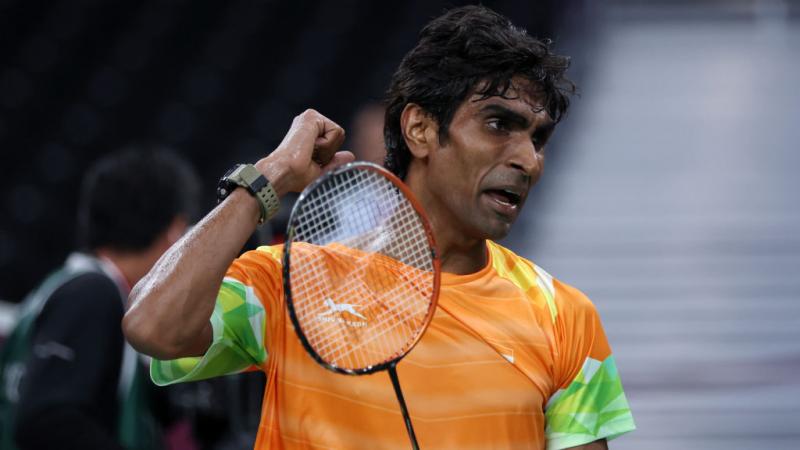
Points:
[(460, 254), (463, 260)]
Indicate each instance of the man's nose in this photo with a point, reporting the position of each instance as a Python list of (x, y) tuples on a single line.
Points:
[(525, 157)]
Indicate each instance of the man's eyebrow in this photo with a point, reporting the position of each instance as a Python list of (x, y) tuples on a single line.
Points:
[(506, 114)]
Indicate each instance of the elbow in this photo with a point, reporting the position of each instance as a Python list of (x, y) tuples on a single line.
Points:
[(154, 326), (145, 338), (140, 334), (137, 329), (143, 330)]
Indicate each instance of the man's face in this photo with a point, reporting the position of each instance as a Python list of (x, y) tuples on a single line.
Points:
[(480, 177)]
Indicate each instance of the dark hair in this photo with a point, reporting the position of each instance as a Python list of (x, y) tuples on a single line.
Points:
[(130, 197), (469, 50)]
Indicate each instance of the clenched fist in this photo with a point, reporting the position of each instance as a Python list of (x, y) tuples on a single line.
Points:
[(308, 149)]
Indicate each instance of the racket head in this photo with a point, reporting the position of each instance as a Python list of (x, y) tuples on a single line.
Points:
[(361, 271)]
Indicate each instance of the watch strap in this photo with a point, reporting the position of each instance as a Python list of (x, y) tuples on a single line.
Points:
[(248, 177), (268, 200)]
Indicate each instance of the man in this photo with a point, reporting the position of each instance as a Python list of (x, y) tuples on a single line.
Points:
[(512, 357), (69, 379)]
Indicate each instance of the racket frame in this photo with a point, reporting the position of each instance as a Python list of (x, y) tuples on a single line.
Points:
[(297, 209)]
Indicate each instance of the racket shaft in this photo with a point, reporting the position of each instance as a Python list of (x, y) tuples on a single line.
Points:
[(399, 392)]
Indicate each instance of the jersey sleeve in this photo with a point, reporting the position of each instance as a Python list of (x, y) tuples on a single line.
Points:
[(249, 292), (590, 403)]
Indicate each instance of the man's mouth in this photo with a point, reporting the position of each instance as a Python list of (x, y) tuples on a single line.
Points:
[(506, 198)]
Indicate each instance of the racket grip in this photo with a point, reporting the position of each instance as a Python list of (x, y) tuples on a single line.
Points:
[(399, 392)]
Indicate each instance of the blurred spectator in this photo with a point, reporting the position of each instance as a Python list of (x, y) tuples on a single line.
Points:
[(69, 380), (366, 133)]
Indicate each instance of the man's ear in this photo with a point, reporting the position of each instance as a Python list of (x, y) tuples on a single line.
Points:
[(420, 130)]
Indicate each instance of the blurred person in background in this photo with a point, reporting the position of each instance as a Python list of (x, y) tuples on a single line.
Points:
[(69, 379), (366, 133), (513, 358)]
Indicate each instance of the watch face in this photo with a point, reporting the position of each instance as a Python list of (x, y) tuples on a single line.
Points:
[(224, 189), (226, 185)]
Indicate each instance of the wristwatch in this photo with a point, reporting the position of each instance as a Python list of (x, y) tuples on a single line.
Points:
[(248, 177)]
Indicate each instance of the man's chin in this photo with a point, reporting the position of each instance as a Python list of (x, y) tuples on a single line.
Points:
[(497, 229)]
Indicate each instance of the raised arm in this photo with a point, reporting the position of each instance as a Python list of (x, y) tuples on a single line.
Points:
[(169, 309)]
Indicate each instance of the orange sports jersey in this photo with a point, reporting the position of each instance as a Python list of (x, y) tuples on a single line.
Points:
[(512, 359)]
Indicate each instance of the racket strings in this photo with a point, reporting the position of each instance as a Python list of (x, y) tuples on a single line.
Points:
[(405, 313), (365, 299), (393, 314)]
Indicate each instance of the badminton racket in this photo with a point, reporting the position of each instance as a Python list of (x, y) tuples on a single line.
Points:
[(361, 272)]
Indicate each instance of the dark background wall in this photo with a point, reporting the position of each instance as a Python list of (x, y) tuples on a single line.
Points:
[(218, 81)]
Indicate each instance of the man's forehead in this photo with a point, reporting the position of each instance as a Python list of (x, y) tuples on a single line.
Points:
[(523, 96)]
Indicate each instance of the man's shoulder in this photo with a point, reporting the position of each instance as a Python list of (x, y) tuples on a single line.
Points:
[(510, 257), (507, 263), (560, 294), (262, 258), (274, 252), (329, 253)]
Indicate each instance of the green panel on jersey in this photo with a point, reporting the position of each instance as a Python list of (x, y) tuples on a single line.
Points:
[(592, 407), (238, 322)]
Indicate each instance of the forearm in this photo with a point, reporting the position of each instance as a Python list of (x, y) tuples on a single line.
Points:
[(169, 309)]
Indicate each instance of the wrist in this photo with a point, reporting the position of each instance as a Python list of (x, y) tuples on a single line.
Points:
[(246, 202), (277, 175), (249, 178)]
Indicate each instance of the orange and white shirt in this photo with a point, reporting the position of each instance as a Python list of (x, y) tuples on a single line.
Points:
[(512, 359)]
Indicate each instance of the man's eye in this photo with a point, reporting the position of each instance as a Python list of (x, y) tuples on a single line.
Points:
[(537, 144), (497, 124), (540, 140)]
